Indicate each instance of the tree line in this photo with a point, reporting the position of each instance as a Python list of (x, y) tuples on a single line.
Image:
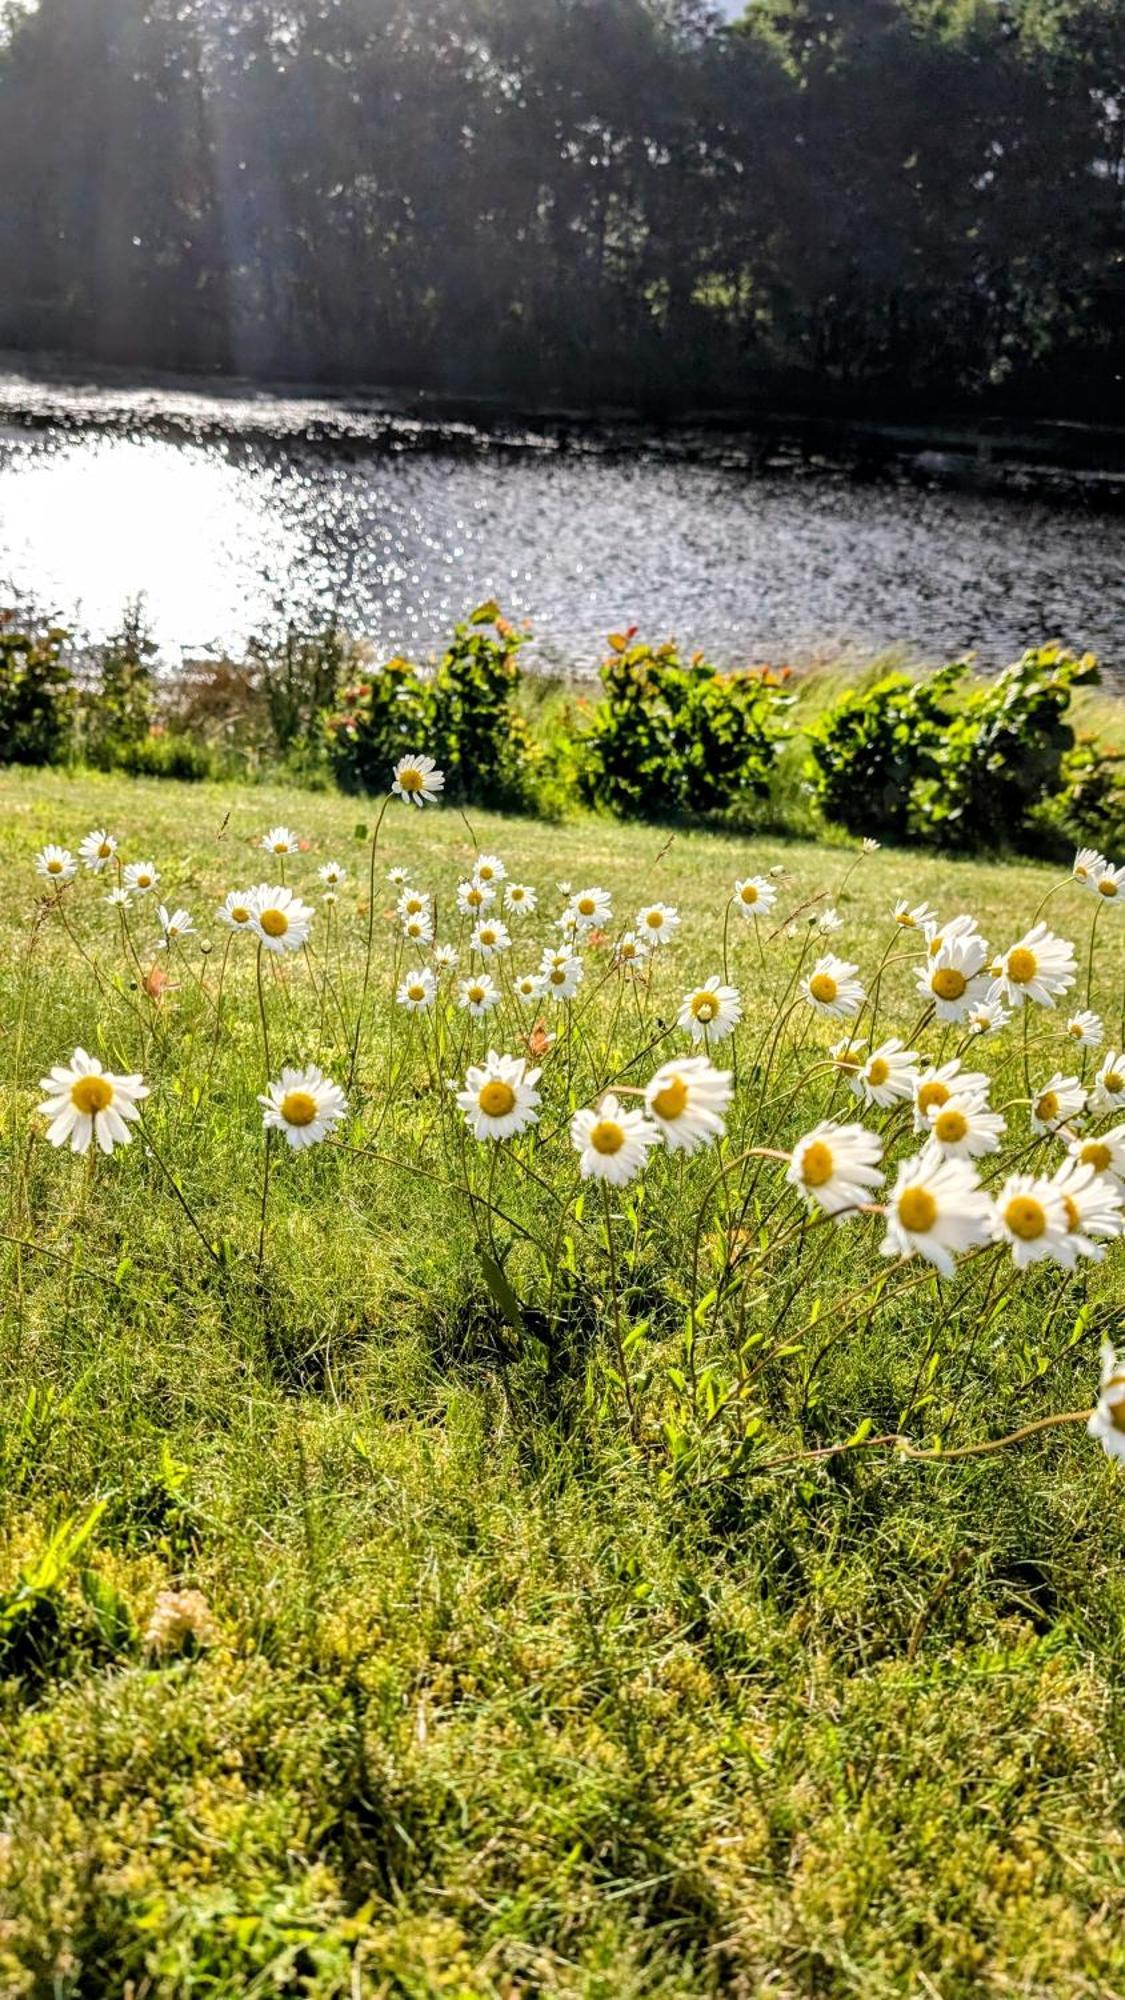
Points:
[(885, 205)]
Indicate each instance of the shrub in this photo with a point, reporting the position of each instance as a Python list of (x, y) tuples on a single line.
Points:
[(169, 756), (870, 748), (36, 692), (1089, 809), (299, 676), (675, 736), (118, 710), (463, 713)]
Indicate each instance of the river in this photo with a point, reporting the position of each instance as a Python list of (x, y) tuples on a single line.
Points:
[(232, 512)]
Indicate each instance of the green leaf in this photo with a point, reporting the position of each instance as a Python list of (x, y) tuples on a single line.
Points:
[(501, 1290)]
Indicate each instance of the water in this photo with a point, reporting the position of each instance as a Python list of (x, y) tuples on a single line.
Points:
[(231, 514)]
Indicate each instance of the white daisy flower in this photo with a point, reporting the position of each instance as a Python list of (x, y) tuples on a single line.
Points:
[(478, 995), (937, 1209), (446, 956), (1086, 1029), (98, 850), (474, 896), (613, 1144), (529, 986), (1106, 1421), (828, 921), (1093, 1207), (490, 868), (418, 930), (686, 1101), (564, 888), (1104, 1151), (490, 937), (87, 1104), (280, 920), (1030, 1216), (1088, 865), (499, 1099), (987, 1017), (712, 1012), (1110, 882), (870, 845), (848, 1058), (519, 899), (956, 930), (832, 987), (399, 877), (119, 899), (630, 951), (305, 1105), (417, 781), (417, 990), (887, 1077), (952, 978), (935, 1087), (332, 874), (561, 974), (913, 916), (1040, 968), (56, 864), (964, 1129), (280, 840), (175, 926), (658, 923), (1057, 1103), (591, 908), (836, 1166), (414, 903), (754, 896), (140, 877), (237, 912), (1108, 1092)]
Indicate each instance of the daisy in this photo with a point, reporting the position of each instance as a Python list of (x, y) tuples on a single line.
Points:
[(686, 1101), (478, 995), (964, 1129), (1088, 865), (1059, 1101), (490, 868), (591, 908), (754, 896), (86, 1103), (419, 930), (329, 898), (848, 1056), (1086, 1029), (529, 986), (936, 1210), (836, 1166), (1105, 1152), (280, 920), (238, 910), (175, 926), (888, 1075), (305, 1105), (474, 896), (1040, 968), (1030, 1215), (417, 781), (561, 973), (1110, 882), (952, 977), (829, 921), (658, 922), (957, 930), (937, 1086), (1108, 1093), (417, 991), (399, 877), (832, 987), (913, 916), (870, 845), (280, 840), (1093, 1207), (56, 864), (490, 937), (519, 900), (413, 903), (612, 1143), (98, 850), (140, 877), (630, 951), (120, 899), (332, 874), (1106, 1421), (712, 1012), (987, 1017), (446, 956), (499, 1099)]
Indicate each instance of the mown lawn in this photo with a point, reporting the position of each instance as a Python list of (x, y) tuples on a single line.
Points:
[(496, 1692)]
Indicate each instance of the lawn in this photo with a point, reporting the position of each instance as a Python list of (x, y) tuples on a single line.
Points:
[(397, 1597)]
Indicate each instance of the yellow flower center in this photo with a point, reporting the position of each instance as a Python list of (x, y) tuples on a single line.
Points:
[(411, 779), (54, 867), (906, 920), (91, 1094), (104, 851), (917, 1210), (476, 995), (931, 1094), (816, 1164), (1113, 1081), (1025, 1217), (1107, 886), (298, 1107), (654, 920), (823, 987), (704, 1007), (878, 1070), (1047, 1107), (1116, 1410), (1072, 1216), (607, 1136), (557, 976), (475, 897), (281, 847), (1095, 1153), (413, 907), (671, 1102), (416, 992), (275, 923), (586, 906), (488, 937), (950, 1127), (748, 893), (948, 983), (1076, 1029), (497, 1099), (240, 914), (1022, 965)]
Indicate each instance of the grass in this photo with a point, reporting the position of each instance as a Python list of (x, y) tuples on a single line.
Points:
[(493, 1699)]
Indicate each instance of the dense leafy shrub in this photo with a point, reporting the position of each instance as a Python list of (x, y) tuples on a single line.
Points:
[(676, 736), (36, 692), (1089, 808), (463, 713), (118, 708), (170, 756), (952, 765), (299, 676)]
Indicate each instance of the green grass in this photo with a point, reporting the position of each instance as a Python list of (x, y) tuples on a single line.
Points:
[(502, 1701)]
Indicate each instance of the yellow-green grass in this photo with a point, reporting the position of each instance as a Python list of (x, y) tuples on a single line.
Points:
[(503, 1700)]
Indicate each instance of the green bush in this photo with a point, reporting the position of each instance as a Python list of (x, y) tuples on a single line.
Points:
[(169, 756), (463, 713), (36, 692), (117, 711), (1089, 808), (672, 737), (872, 746)]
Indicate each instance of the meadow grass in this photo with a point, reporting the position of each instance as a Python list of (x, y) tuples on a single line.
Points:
[(499, 1688)]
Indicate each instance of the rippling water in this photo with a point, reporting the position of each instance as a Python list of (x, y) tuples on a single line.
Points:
[(228, 526)]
